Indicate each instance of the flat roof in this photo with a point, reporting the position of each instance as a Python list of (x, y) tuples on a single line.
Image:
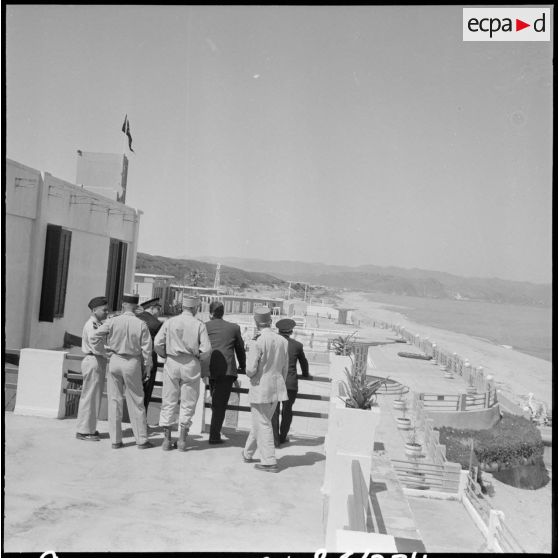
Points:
[(154, 275)]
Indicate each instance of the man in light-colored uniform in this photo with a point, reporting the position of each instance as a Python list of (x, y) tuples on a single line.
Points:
[(267, 366), (93, 370), (130, 345), (182, 341)]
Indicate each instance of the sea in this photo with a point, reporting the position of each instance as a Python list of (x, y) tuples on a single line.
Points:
[(527, 329)]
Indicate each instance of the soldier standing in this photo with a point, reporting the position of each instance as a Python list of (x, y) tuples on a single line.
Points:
[(182, 341), (93, 370), (148, 312), (129, 343), (296, 354)]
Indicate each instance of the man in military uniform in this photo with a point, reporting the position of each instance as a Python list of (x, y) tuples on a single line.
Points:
[(93, 370), (267, 366), (226, 341), (182, 341), (296, 354), (129, 343), (148, 312)]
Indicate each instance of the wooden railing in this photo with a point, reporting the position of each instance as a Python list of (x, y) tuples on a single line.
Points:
[(459, 401), (422, 475), (75, 380)]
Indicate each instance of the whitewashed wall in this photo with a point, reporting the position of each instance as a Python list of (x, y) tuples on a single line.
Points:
[(29, 209)]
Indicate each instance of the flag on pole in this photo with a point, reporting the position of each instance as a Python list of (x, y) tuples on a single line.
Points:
[(126, 130)]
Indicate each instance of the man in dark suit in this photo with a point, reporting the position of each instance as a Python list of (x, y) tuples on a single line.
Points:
[(226, 341), (148, 312), (296, 354)]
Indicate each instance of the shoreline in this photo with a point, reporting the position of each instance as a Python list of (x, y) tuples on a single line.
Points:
[(515, 373)]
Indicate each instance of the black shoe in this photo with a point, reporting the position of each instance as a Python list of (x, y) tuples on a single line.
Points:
[(118, 445), (145, 446), (88, 437), (284, 440), (247, 459), (215, 442), (268, 468)]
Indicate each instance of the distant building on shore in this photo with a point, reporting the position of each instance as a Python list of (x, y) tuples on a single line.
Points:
[(64, 245), (151, 285)]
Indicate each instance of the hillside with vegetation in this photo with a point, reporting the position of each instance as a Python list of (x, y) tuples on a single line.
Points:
[(401, 281), (202, 274)]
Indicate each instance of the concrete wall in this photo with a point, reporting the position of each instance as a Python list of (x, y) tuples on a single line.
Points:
[(23, 185), (93, 220), (472, 420)]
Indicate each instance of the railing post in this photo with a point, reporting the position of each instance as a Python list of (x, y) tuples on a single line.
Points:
[(462, 403), (495, 518)]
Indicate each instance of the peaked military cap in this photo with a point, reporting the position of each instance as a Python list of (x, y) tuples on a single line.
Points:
[(130, 298), (151, 302), (285, 325)]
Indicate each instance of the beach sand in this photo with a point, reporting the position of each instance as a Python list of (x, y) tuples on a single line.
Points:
[(528, 513), (515, 374)]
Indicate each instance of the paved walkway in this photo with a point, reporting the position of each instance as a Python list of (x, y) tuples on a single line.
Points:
[(68, 495)]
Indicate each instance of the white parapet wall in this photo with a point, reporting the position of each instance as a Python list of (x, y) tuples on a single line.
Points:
[(40, 383), (350, 438)]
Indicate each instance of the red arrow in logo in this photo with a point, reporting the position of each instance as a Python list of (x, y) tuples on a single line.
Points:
[(519, 25)]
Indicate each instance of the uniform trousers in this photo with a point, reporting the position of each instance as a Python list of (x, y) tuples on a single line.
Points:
[(181, 380), (93, 370), (125, 377), (150, 382), (261, 433), (280, 432), (220, 392)]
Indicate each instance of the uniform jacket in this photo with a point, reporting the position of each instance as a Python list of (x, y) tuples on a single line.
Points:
[(226, 341), (296, 353), (267, 365), (182, 335), (124, 335), (87, 346)]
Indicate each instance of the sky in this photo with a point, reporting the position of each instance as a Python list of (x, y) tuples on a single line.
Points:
[(343, 135)]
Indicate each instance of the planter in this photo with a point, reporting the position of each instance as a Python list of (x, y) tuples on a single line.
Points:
[(413, 450), (399, 404), (403, 423)]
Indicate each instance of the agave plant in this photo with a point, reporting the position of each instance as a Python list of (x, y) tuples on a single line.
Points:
[(343, 345), (360, 393)]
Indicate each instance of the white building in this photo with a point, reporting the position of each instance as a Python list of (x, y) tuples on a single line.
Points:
[(64, 245), (151, 285)]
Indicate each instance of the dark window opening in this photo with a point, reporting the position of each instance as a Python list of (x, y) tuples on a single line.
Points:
[(55, 273), (116, 273)]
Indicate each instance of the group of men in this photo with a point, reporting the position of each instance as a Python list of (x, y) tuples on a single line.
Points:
[(125, 348)]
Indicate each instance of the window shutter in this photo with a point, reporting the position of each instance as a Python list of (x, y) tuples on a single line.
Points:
[(65, 244), (50, 269)]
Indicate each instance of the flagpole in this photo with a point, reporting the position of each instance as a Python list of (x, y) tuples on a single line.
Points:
[(124, 139)]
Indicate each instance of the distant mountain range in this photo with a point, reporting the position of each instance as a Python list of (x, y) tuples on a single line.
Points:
[(396, 280), (202, 273)]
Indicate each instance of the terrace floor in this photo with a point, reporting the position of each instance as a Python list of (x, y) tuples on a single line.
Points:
[(69, 495)]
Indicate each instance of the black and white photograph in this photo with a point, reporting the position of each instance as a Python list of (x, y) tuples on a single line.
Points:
[(277, 279)]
